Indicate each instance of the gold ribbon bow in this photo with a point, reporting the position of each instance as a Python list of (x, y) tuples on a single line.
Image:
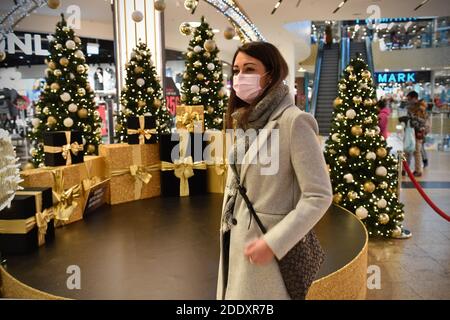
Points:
[(141, 175), (66, 203), (189, 118), (183, 170), (142, 132), (67, 150), (90, 182)]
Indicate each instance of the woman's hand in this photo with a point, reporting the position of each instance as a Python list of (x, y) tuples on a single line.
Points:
[(258, 252)]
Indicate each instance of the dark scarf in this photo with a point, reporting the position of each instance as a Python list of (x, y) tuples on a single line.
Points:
[(257, 119)]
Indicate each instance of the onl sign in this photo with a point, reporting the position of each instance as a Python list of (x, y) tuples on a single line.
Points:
[(398, 77), (26, 46)]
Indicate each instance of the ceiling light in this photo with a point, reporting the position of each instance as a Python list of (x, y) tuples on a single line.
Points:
[(276, 6), (340, 5), (421, 4), (216, 30)]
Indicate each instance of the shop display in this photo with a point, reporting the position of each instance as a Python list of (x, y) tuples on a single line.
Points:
[(190, 118), (63, 148), (203, 80), (141, 130), (185, 174), (134, 171), (360, 165), (142, 94), (67, 101)]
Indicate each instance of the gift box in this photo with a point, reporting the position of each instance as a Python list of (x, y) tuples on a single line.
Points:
[(216, 159), (70, 185), (141, 130), (185, 173), (133, 170), (190, 118), (63, 148), (28, 223)]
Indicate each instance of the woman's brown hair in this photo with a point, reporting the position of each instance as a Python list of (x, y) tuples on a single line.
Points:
[(277, 71)]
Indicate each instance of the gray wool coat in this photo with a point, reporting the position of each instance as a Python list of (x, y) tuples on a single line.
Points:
[(289, 204)]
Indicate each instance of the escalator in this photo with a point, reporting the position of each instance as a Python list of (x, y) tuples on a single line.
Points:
[(365, 49)]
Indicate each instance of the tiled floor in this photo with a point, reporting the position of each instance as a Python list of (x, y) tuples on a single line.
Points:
[(418, 268)]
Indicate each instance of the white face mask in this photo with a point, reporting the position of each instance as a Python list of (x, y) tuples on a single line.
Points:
[(247, 86)]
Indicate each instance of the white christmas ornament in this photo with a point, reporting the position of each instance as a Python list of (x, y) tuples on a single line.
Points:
[(65, 97), (381, 171), (382, 203), (140, 82), (197, 49), (35, 122), (70, 44), (195, 89), (68, 122), (348, 178), (350, 114), (72, 107), (371, 155), (377, 129), (210, 66), (361, 213), (137, 16)]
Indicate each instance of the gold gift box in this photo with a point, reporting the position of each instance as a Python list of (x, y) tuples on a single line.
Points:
[(190, 118), (217, 167), (128, 185), (73, 175)]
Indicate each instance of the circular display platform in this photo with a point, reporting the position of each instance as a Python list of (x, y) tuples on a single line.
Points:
[(167, 248)]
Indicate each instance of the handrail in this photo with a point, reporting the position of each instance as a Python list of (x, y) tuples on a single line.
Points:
[(344, 55), (370, 58), (316, 78)]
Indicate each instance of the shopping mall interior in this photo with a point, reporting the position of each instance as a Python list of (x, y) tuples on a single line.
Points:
[(113, 80)]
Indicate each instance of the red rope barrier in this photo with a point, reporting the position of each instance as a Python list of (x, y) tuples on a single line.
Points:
[(423, 194)]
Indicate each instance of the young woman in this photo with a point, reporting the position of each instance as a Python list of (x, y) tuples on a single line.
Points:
[(289, 202)]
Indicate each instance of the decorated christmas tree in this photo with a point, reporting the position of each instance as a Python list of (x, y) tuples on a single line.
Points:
[(363, 173), (203, 80), (67, 101), (142, 94)]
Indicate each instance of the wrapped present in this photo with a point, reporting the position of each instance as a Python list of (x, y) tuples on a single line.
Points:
[(141, 130), (216, 159), (71, 185), (190, 118), (134, 171), (185, 173), (28, 223), (63, 148)]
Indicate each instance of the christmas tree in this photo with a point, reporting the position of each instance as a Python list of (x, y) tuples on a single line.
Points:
[(203, 80), (142, 94), (363, 173), (67, 101)]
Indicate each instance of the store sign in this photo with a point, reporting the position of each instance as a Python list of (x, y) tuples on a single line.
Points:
[(397, 77), (27, 44)]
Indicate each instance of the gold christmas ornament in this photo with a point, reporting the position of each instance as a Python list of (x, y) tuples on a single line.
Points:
[(368, 102), (160, 5), (54, 86), (383, 218), (210, 110), (357, 99), (357, 130), (157, 103), (118, 127), (81, 92), (397, 232), (77, 40), (51, 121), (369, 186), (337, 102), (349, 69), (190, 4), (53, 4), (2, 55), (200, 76), (138, 70), (82, 113), (342, 159), (337, 198), (342, 87), (381, 152), (383, 185), (366, 74), (229, 33), (80, 68), (352, 195), (52, 65), (140, 104), (64, 61), (354, 151), (28, 166), (57, 73), (90, 149), (209, 45), (197, 64), (352, 77), (207, 55), (185, 29)]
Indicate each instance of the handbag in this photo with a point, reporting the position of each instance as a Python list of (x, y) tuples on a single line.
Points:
[(410, 138), (299, 267)]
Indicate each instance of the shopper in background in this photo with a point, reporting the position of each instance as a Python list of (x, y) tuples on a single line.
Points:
[(383, 117), (423, 107)]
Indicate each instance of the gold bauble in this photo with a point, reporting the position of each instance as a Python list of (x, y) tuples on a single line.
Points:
[(354, 151), (185, 29), (190, 4), (383, 185), (210, 110), (57, 73), (54, 86), (209, 45), (342, 87), (138, 70), (64, 61), (53, 4), (160, 5), (207, 55), (352, 195), (80, 68), (337, 102), (82, 113), (190, 54), (141, 104), (2, 55), (90, 149), (77, 40), (381, 152), (357, 130), (383, 218), (52, 65), (368, 102), (118, 127), (28, 166), (352, 77), (357, 99), (229, 33), (200, 76), (349, 69), (337, 198), (366, 74), (157, 103), (397, 232), (369, 186), (51, 121)]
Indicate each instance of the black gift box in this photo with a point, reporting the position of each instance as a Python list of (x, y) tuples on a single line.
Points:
[(58, 139), (170, 184), (24, 207), (149, 123)]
